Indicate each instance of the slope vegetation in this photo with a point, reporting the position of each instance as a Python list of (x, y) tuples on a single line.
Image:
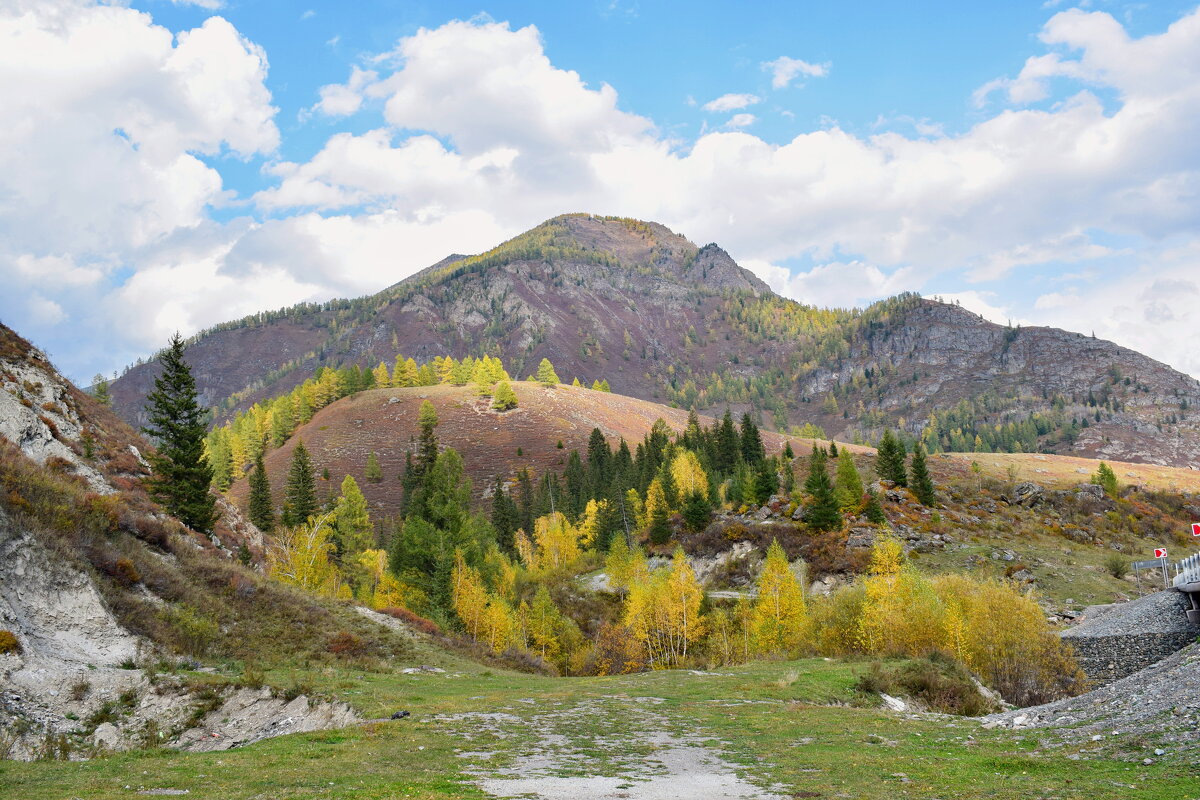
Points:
[(662, 319)]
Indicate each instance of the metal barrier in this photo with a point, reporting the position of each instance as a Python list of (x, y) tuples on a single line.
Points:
[(1187, 574)]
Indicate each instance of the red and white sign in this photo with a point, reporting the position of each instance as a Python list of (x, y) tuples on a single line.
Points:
[(1196, 529), (1160, 552)]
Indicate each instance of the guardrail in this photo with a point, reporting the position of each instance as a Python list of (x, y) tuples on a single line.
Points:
[(1187, 574)]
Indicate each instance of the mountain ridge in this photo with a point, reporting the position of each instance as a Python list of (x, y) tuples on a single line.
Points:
[(667, 321)]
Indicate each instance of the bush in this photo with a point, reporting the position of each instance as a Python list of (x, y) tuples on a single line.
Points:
[(345, 643), (937, 681), (9, 643), (1116, 565), (416, 621)]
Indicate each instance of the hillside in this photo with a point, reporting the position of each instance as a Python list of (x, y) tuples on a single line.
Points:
[(664, 320), (493, 444), (108, 606)]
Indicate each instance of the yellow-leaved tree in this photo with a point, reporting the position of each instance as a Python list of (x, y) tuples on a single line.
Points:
[(300, 556), (689, 476), (663, 612), (780, 618), (556, 542)]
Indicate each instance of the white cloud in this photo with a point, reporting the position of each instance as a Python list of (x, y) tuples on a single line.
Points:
[(731, 102), (784, 70), (209, 5), (481, 136), (738, 121), (985, 304)]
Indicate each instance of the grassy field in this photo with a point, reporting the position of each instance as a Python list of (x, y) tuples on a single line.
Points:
[(795, 728)]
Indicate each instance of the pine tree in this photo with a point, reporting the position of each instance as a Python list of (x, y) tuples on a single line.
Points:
[(1106, 478), (922, 483), (849, 485), (822, 513), (352, 522), (373, 473), (182, 475), (300, 492), (874, 510), (765, 482), (657, 513), (261, 509), (100, 390), (752, 445), (889, 463), (505, 517), (546, 374), (728, 446), (696, 511), (504, 398)]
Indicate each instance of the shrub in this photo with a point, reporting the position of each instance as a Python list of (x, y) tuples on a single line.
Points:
[(9, 643), (426, 626), (1116, 565), (937, 681), (122, 571), (344, 643)]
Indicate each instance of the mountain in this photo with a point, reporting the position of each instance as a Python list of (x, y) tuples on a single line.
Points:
[(664, 320)]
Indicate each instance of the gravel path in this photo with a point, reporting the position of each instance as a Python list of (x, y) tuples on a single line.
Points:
[(615, 747), (1160, 703)]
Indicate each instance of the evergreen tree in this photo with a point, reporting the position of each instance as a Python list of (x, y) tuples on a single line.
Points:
[(696, 511), (849, 485), (577, 494), (546, 374), (182, 475), (889, 462), (922, 483), (728, 447), (373, 473), (505, 517), (657, 514), (822, 513), (525, 501), (598, 457), (100, 390), (874, 510), (504, 398), (833, 449), (261, 508), (752, 446), (300, 491), (766, 481)]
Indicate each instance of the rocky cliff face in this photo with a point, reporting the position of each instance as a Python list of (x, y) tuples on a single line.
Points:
[(663, 320)]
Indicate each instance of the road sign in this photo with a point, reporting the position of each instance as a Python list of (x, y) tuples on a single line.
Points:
[(1155, 564), (1160, 552), (1196, 529)]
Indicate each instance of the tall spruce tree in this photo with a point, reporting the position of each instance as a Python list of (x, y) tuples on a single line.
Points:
[(822, 513), (889, 462), (752, 446), (728, 447), (922, 483), (505, 517), (262, 510), (849, 484), (300, 491), (182, 474)]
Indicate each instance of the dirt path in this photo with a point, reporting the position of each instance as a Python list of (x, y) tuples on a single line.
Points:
[(597, 749)]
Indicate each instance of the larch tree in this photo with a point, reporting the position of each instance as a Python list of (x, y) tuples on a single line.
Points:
[(300, 491), (504, 398), (182, 475), (352, 522), (261, 508), (381, 376), (546, 374), (849, 484), (779, 617), (373, 472)]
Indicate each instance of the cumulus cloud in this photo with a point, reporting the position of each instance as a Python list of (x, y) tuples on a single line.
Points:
[(479, 136), (784, 70), (731, 102)]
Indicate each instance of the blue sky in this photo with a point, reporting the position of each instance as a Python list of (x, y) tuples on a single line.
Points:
[(174, 164)]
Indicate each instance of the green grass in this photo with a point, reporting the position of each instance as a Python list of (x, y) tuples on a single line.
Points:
[(780, 731)]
